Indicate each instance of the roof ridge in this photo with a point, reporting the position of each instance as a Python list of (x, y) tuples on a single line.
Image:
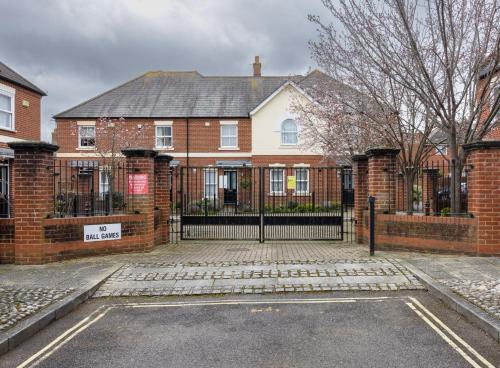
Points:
[(100, 95)]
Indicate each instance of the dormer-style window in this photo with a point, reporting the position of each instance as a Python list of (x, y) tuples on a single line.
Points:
[(289, 132), (6, 110)]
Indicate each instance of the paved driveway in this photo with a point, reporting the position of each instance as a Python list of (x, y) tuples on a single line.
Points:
[(350, 330)]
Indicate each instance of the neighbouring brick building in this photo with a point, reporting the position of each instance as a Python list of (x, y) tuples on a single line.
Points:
[(201, 121), (19, 121)]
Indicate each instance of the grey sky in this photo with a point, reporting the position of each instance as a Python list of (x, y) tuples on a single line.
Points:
[(75, 49)]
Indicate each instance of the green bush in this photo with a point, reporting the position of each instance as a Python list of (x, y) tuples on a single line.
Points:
[(445, 212)]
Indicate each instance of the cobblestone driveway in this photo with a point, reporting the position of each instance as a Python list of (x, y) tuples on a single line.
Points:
[(213, 267)]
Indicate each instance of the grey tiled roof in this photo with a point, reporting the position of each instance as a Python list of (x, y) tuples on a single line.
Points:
[(181, 94), (10, 75)]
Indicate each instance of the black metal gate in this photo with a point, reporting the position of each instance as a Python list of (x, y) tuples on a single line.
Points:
[(261, 203)]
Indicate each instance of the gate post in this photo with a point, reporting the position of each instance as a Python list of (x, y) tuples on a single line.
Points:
[(382, 178), (261, 205), (140, 161), (162, 198), (32, 199), (360, 177), (371, 202)]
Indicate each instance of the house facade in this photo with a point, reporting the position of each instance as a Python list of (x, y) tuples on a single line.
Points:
[(221, 125), (20, 119)]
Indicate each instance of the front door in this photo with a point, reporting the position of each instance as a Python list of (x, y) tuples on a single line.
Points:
[(4, 190), (230, 187)]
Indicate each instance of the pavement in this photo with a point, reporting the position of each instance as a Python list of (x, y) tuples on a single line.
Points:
[(33, 296), (344, 329)]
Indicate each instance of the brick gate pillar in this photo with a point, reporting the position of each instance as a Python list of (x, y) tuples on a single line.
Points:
[(162, 198), (33, 198), (360, 180), (382, 178), (483, 191), (141, 188)]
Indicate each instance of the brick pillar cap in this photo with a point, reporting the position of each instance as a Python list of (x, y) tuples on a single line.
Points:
[(139, 152), (164, 158), (35, 146), (384, 151), (481, 145), (359, 157)]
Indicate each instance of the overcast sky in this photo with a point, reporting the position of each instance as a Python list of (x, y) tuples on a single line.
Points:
[(76, 49)]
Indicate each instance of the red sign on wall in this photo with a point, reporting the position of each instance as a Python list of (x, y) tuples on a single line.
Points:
[(137, 184)]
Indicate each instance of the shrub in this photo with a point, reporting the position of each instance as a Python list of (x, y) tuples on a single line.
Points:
[(445, 212)]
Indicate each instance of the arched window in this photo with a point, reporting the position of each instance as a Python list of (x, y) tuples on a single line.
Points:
[(289, 132)]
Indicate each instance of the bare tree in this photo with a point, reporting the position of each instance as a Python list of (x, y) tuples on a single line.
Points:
[(111, 136), (435, 49)]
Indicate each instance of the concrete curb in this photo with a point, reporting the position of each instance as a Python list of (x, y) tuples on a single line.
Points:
[(469, 311), (30, 326)]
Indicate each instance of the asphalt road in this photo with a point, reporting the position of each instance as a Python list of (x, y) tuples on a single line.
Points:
[(313, 330)]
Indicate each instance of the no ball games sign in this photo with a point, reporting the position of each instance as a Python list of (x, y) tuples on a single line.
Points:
[(103, 232)]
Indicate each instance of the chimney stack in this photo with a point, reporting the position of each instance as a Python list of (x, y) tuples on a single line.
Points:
[(256, 67)]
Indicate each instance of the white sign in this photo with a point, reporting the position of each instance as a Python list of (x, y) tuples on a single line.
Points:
[(93, 233)]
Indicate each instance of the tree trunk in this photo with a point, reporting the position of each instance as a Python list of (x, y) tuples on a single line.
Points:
[(409, 179)]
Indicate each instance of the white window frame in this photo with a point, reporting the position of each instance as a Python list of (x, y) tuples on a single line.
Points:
[(235, 136), (282, 133), (12, 112), (271, 181), (7, 184), (171, 136), (442, 149), (80, 137), (494, 92), (297, 191), (103, 184), (215, 183)]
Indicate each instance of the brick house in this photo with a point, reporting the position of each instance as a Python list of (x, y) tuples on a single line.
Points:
[(222, 122), (20, 102)]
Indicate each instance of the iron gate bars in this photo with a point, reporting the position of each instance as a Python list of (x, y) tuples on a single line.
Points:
[(261, 203)]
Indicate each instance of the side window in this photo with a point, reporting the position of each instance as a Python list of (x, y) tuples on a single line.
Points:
[(289, 132), (163, 136), (210, 183), (86, 136), (6, 110)]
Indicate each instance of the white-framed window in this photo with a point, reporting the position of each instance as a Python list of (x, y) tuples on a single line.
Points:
[(86, 136), (494, 97), (103, 182), (229, 136), (302, 181), (276, 181), (164, 136), (7, 104), (289, 132), (210, 183), (442, 149), (4, 190)]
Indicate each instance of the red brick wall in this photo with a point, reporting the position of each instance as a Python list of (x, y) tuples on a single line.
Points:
[(360, 180), (7, 240), (484, 196), (441, 234), (381, 179), (27, 119)]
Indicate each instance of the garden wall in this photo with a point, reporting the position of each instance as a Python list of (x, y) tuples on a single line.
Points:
[(440, 234), (6, 240)]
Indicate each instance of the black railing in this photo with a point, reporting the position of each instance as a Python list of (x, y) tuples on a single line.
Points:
[(89, 188), (430, 191)]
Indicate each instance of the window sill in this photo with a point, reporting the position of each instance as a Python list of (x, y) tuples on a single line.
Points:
[(8, 130), (301, 194), (277, 194), (229, 148), (288, 146), (170, 148), (85, 149)]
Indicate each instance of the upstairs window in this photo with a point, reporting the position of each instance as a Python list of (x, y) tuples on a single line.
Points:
[(229, 136), (163, 136), (6, 110), (86, 136), (495, 93), (289, 132), (442, 149)]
